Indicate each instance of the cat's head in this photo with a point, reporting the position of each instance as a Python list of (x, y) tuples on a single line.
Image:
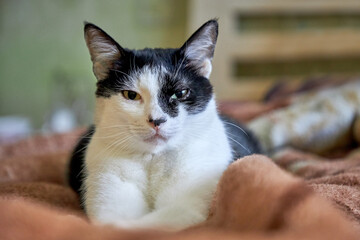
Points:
[(150, 97)]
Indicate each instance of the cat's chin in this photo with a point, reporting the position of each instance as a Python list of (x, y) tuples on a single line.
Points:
[(156, 139), (155, 144)]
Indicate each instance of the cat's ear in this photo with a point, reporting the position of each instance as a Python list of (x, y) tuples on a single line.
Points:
[(103, 50), (199, 49)]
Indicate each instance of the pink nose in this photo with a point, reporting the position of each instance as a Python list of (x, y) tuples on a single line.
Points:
[(156, 122)]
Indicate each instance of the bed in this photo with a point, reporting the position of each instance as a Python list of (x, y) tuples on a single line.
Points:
[(306, 187)]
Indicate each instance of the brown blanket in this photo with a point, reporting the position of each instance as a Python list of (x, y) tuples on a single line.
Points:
[(255, 198)]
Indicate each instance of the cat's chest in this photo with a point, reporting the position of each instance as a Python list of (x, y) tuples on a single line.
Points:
[(162, 172)]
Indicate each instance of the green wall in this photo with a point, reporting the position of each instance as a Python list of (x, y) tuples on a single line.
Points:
[(44, 63)]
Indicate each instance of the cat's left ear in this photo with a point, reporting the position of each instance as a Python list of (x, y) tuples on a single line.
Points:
[(199, 49), (104, 50)]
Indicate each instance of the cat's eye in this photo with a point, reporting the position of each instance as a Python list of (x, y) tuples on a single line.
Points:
[(180, 95), (131, 95)]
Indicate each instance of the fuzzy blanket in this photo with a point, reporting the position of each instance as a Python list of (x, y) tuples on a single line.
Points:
[(297, 194)]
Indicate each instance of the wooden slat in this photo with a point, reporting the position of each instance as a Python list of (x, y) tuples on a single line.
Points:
[(274, 45), (293, 6), (330, 43)]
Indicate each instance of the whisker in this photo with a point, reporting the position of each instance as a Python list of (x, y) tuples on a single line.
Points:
[(111, 145), (119, 134), (240, 144), (115, 126), (229, 123), (115, 70), (115, 147), (81, 149)]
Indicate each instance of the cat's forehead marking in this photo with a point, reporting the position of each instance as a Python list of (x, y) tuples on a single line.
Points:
[(149, 82), (149, 78), (154, 82)]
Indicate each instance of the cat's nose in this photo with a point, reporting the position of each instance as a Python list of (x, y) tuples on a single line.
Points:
[(156, 122)]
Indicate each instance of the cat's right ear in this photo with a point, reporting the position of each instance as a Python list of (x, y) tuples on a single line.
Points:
[(103, 50)]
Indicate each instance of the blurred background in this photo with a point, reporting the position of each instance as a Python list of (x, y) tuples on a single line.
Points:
[(46, 79)]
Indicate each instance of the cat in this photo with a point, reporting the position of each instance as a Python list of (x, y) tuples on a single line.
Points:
[(158, 146)]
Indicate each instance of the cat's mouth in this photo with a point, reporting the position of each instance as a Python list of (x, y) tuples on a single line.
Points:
[(157, 137)]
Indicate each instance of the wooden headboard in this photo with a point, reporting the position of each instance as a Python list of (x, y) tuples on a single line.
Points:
[(264, 41)]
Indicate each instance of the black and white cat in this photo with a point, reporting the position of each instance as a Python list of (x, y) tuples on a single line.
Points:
[(158, 146)]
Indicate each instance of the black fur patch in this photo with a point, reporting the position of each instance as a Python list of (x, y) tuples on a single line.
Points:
[(242, 140), (200, 91), (77, 161)]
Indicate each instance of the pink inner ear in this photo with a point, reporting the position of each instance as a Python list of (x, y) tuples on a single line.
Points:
[(205, 69), (199, 49)]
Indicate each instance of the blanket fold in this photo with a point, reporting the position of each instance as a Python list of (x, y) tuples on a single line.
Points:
[(254, 200)]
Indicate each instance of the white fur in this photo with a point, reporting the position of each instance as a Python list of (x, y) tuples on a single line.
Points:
[(133, 183)]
